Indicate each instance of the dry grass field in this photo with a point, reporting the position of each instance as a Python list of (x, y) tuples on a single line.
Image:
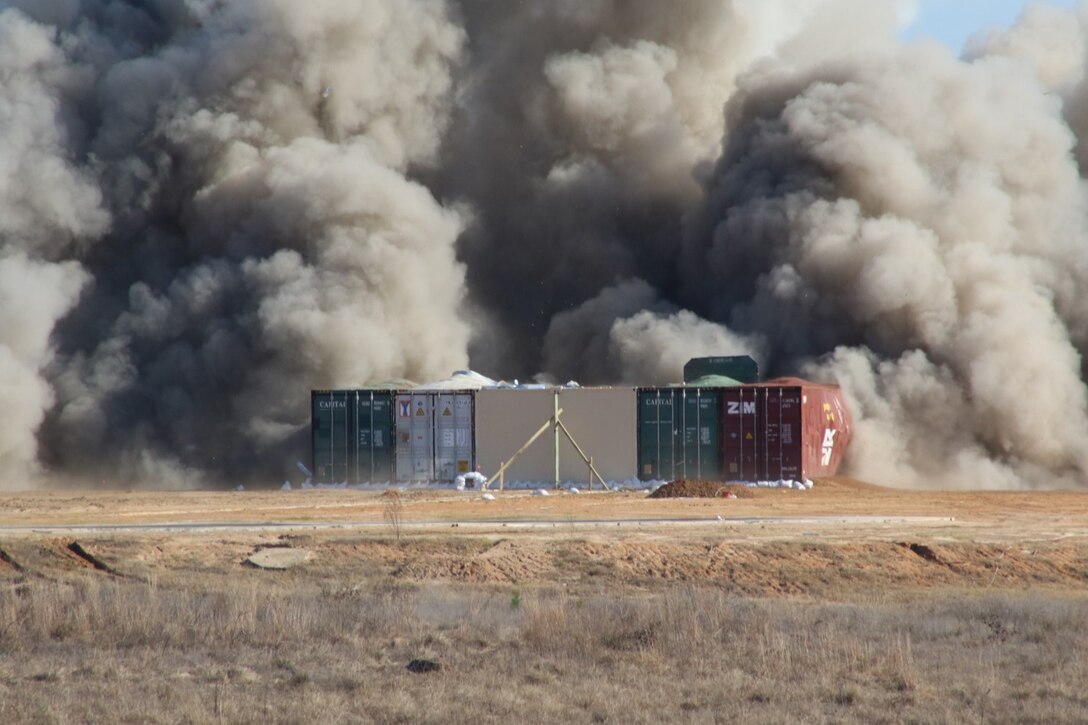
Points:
[(846, 603)]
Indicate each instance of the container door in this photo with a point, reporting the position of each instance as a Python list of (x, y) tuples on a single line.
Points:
[(453, 417), (464, 412), (740, 434), (383, 437), (770, 443), (445, 432), (332, 427), (402, 469), (781, 423), (702, 436), (686, 463), (656, 435), (422, 447), (415, 438), (374, 449), (792, 434)]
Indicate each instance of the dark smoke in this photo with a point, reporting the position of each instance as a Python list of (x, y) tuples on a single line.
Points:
[(208, 207), (221, 192)]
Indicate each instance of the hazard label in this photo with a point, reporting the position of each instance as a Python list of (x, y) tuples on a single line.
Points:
[(447, 412), (748, 437), (420, 413)]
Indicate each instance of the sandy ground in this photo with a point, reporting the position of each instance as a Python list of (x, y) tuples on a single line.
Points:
[(988, 516), (842, 535)]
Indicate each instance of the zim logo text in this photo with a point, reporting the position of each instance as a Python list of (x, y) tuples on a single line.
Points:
[(741, 408)]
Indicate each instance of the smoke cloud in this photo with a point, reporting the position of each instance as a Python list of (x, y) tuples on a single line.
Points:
[(209, 207), (914, 226)]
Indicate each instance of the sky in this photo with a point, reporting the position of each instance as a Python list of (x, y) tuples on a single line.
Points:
[(954, 21)]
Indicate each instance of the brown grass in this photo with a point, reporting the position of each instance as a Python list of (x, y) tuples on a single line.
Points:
[(114, 650)]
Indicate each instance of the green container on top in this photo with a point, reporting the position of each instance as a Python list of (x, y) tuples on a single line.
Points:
[(741, 368), (678, 434), (352, 436)]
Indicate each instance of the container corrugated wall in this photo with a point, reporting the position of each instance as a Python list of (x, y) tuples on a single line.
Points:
[(435, 436), (762, 434), (789, 430), (827, 430), (351, 436), (678, 434)]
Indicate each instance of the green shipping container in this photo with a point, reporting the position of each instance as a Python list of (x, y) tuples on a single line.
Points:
[(678, 434), (352, 436), (740, 368)]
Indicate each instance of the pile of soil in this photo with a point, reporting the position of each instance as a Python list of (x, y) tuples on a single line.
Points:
[(692, 489)]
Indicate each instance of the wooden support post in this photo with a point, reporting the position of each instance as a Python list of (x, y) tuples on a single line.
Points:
[(556, 424), (587, 459), (590, 472), (502, 469)]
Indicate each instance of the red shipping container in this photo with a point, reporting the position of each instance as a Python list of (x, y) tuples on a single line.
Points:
[(786, 429)]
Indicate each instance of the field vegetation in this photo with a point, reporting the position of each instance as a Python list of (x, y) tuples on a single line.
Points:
[(98, 648)]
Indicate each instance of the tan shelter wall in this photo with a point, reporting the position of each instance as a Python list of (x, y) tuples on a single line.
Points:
[(602, 420), (505, 419)]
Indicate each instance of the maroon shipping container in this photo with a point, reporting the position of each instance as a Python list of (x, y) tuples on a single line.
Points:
[(786, 429)]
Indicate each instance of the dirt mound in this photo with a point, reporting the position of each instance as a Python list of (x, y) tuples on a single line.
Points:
[(692, 489), (504, 561), (766, 568)]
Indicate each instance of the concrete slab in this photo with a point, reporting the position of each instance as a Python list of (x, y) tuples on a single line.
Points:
[(279, 558)]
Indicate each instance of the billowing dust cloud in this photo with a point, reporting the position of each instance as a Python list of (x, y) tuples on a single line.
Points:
[(208, 208)]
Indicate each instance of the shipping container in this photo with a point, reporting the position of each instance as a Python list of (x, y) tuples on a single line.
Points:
[(783, 429), (435, 434), (740, 368), (352, 436), (601, 420), (454, 439), (678, 434), (786, 429)]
